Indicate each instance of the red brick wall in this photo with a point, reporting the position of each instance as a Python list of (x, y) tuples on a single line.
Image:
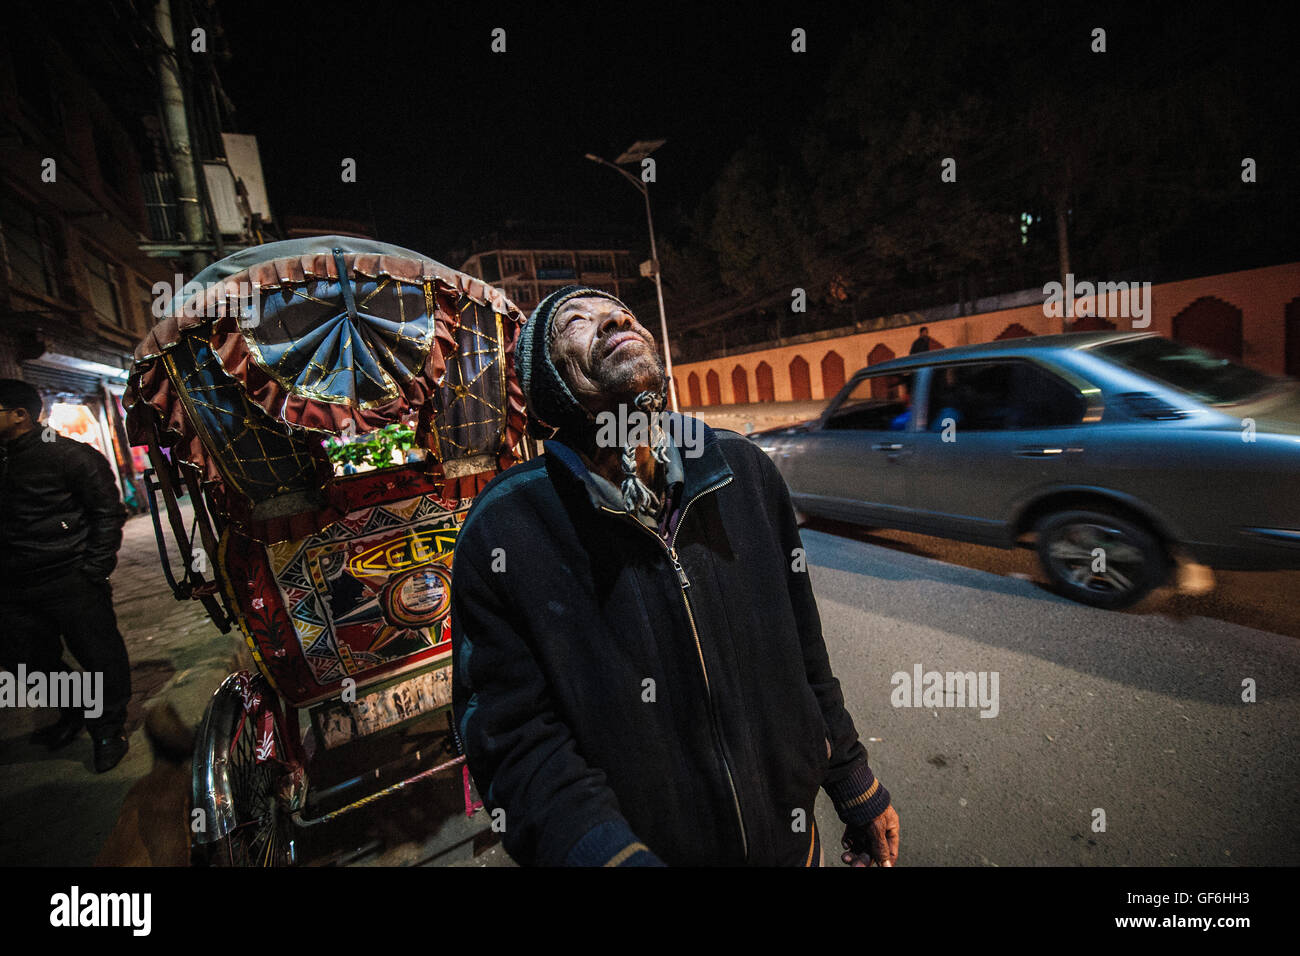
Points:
[(1263, 297)]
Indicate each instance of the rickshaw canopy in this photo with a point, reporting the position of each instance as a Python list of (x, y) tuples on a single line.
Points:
[(274, 349)]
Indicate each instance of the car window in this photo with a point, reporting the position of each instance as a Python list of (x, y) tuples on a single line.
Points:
[(1210, 378), (877, 403), (1001, 396)]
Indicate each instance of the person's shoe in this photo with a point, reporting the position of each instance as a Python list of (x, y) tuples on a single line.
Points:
[(62, 732), (109, 751)]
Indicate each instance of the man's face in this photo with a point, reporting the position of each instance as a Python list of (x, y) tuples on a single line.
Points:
[(603, 353), (13, 423)]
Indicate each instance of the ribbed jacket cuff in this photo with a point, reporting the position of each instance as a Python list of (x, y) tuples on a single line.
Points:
[(859, 798), (611, 843)]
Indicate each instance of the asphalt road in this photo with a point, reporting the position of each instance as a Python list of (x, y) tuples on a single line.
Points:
[(1138, 714)]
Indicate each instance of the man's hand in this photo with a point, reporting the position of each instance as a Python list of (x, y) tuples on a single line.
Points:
[(876, 844)]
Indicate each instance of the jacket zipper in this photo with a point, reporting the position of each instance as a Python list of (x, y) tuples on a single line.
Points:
[(684, 583)]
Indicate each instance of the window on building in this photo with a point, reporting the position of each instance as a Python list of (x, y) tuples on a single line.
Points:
[(28, 249), (33, 79), (110, 167), (600, 263), (521, 295), (489, 268), (105, 293), (514, 266), (555, 265), (144, 318)]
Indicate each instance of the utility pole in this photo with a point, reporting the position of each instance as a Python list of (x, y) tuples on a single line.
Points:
[(180, 149)]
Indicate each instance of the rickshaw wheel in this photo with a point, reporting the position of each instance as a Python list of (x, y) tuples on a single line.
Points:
[(263, 834)]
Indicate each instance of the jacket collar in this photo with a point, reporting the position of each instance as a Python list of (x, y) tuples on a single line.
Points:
[(702, 461), (24, 442)]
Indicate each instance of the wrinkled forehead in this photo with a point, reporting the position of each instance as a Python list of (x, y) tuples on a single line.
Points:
[(592, 305)]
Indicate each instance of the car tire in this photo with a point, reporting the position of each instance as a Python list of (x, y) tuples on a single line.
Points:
[(1132, 562)]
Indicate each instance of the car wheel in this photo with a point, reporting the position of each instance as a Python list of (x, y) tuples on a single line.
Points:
[(1099, 558)]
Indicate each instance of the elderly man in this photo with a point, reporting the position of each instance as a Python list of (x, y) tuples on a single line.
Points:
[(640, 672)]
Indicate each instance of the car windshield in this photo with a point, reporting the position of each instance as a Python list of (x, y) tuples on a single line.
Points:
[(1207, 377)]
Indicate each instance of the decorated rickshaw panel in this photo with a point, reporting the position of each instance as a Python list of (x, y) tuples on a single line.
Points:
[(365, 597)]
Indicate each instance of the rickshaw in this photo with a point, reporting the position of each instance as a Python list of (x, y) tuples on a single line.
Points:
[(331, 406)]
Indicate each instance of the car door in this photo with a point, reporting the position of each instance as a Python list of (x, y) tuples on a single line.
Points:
[(849, 466), (992, 430)]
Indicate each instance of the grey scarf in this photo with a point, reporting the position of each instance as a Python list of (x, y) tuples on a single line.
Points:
[(637, 498)]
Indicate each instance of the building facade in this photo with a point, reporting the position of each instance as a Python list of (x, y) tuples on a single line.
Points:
[(529, 275), (91, 242)]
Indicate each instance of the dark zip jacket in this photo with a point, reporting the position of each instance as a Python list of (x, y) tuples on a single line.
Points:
[(60, 510), (628, 701)]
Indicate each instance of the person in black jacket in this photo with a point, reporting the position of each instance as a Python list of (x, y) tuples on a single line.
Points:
[(60, 528), (923, 342), (640, 675)]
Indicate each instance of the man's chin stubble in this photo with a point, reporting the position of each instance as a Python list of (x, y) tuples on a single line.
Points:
[(630, 379)]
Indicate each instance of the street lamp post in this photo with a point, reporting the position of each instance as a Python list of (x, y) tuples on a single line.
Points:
[(638, 151)]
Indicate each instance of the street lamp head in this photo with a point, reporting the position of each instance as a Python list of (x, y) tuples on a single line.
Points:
[(639, 151)]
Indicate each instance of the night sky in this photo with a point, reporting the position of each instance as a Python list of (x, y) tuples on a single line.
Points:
[(453, 140)]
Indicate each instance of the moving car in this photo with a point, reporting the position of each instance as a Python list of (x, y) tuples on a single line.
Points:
[(1117, 453)]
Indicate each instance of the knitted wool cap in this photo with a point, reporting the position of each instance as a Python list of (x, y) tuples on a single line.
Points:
[(553, 412)]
